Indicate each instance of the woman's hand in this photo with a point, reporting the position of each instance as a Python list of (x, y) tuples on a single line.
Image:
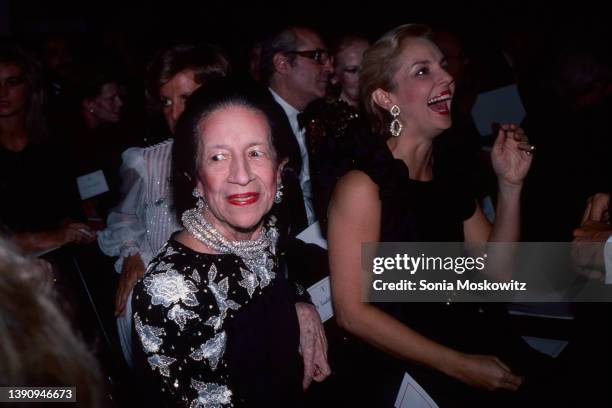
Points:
[(133, 269), (486, 372), (75, 232), (313, 344), (511, 155), (597, 209)]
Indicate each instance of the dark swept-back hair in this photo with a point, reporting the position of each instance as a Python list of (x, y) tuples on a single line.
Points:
[(93, 77), (283, 40), (207, 62), (32, 72), (212, 96)]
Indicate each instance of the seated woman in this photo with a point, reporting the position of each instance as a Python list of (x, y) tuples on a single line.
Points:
[(96, 134), (397, 193), (214, 314), (39, 201)]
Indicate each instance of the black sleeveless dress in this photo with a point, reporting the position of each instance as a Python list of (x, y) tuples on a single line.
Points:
[(433, 211)]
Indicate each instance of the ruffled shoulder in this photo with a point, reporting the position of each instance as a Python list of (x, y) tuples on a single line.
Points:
[(373, 157)]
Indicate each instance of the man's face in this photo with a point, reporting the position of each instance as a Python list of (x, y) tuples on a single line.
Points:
[(307, 78)]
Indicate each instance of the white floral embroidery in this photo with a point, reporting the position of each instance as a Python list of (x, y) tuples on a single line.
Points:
[(170, 250), (250, 281), (196, 276), (210, 395), (149, 335), (219, 291), (163, 266), (262, 266), (170, 288), (180, 316), (212, 350), (161, 362)]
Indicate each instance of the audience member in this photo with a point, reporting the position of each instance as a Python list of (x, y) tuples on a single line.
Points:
[(399, 193), (296, 66), (39, 201), (215, 316)]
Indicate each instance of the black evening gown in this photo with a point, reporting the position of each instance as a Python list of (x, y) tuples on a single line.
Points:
[(433, 211), (210, 332)]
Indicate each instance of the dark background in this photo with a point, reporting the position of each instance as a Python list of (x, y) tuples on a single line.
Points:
[(236, 26)]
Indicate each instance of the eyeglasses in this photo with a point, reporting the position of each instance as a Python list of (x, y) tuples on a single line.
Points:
[(319, 56)]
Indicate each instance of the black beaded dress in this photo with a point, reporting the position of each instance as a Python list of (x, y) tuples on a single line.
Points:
[(213, 333)]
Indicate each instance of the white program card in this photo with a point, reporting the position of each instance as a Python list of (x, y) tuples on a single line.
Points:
[(92, 184), (412, 395), (502, 105), (320, 293), (552, 347), (313, 235)]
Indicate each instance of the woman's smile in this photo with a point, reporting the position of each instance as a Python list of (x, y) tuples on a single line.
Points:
[(243, 198)]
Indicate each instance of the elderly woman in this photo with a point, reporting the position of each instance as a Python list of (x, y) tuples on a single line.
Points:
[(215, 317), (397, 193)]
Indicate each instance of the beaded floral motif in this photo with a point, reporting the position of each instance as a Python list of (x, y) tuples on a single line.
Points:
[(169, 288), (180, 316), (219, 291), (212, 350), (262, 266), (249, 281), (150, 336), (196, 276), (210, 395), (161, 362)]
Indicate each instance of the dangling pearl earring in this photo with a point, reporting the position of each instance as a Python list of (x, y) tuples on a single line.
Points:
[(396, 126)]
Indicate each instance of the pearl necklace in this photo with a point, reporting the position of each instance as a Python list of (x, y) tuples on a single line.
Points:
[(257, 255), (203, 231)]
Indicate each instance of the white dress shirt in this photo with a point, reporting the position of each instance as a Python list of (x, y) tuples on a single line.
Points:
[(608, 260), (300, 136)]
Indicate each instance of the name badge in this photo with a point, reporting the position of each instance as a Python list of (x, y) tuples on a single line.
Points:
[(92, 184), (320, 294)]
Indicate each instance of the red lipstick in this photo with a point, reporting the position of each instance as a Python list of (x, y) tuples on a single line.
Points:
[(243, 199)]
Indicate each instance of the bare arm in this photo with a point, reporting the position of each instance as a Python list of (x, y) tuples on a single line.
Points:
[(33, 242), (354, 217), (511, 158)]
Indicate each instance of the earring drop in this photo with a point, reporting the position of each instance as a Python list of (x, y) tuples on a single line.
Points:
[(396, 126)]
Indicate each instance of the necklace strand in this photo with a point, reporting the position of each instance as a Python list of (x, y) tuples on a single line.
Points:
[(203, 231)]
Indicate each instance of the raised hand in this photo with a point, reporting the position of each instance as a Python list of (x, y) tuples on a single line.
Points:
[(511, 155)]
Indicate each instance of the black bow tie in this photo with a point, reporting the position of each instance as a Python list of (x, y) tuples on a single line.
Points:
[(302, 120)]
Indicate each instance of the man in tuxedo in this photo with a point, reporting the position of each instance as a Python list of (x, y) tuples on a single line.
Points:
[(296, 67)]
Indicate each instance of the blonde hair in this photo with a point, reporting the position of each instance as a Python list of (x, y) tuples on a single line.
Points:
[(38, 346), (378, 67)]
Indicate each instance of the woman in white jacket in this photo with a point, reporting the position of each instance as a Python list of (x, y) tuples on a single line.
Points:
[(145, 217)]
